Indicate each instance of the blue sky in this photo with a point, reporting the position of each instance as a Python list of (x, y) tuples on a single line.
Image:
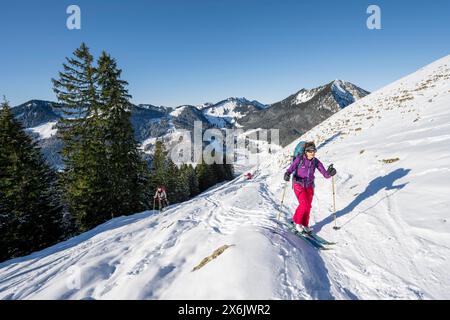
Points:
[(195, 51)]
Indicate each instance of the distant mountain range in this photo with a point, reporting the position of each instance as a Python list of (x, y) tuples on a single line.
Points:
[(303, 110), (293, 116)]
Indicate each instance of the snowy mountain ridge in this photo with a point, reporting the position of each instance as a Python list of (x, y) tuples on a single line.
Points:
[(152, 122), (298, 113), (344, 92)]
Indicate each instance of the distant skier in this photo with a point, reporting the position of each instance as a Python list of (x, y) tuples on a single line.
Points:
[(249, 176), (161, 197), (303, 166)]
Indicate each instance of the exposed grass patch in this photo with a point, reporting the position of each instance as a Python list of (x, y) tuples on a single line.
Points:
[(214, 255), (390, 160)]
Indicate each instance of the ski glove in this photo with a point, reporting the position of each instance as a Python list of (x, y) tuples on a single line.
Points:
[(287, 176), (331, 171)]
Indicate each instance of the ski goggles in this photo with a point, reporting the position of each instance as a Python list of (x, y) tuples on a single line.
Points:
[(311, 150)]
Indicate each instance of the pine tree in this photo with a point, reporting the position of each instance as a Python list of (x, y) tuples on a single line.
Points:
[(105, 175), (219, 172), (206, 176), (211, 176), (158, 175), (183, 186), (85, 178), (128, 171), (192, 181), (30, 211), (7, 223), (200, 172), (76, 89), (229, 170), (178, 184)]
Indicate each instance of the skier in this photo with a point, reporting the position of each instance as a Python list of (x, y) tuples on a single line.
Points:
[(303, 167), (161, 196)]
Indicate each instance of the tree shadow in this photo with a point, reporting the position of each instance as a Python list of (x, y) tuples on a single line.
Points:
[(74, 241), (384, 182)]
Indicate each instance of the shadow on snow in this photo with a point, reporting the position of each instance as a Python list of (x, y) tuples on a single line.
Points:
[(376, 185), (72, 242)]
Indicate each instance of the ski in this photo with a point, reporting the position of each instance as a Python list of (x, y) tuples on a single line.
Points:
[(310, 240), (316, 237), (320, 239), (305, 237)]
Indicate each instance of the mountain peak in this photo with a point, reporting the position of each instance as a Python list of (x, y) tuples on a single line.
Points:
[(339, 81), (35, 103), (345, 93)]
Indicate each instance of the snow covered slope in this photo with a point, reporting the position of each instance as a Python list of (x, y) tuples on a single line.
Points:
[(46, 130), (392, 153), (227, 112)]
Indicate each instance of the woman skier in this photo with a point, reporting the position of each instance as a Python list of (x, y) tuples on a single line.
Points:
[(303, 167), (161, 196)]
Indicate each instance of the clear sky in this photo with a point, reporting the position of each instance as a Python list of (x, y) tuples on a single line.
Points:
[(176, 52)]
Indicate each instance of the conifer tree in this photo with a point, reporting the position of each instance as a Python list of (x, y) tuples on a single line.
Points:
[(219, 171), (30, 211), (206, 176), (85, 178), (177, 187), (159, 167), (127, 170), (229, 170), (192, 181)]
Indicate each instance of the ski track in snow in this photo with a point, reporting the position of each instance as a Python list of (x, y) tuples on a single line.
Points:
[(394, 241)]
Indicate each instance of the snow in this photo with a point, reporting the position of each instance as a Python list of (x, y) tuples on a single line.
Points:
[(46, 130), (343, 97), (153, 107), (204, 105), (218, 122), (394, 241), (338, 85), (304, 96), (224, 112), (169, 138), (149, 141), (256, 152), (178, 111), (260, 105)]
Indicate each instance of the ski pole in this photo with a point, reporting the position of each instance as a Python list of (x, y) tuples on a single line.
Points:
[(334, 204), (282, 200)]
